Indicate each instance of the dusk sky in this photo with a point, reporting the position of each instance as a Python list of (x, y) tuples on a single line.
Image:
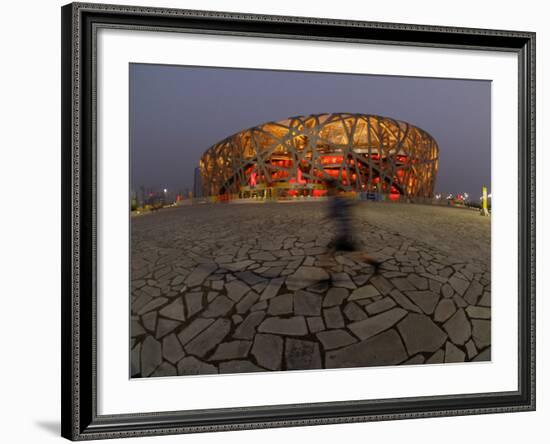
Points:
[(177, 112)]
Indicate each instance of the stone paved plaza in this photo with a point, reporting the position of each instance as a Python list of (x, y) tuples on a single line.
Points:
[(232, 288)]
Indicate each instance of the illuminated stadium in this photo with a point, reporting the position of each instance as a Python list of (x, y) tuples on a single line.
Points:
[(300, 155)]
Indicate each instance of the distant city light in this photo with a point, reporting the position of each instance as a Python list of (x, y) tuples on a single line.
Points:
[(165, 191)]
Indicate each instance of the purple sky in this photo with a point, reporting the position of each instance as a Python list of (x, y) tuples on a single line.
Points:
[(177, 112)]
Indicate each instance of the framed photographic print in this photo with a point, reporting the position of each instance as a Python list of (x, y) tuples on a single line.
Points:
[(277, 221)]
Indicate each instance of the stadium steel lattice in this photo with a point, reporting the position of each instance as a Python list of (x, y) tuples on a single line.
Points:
[(297, 156)]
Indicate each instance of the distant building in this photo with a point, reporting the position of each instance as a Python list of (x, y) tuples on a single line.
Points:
[(301, 155), (197, 183), (155, 198)]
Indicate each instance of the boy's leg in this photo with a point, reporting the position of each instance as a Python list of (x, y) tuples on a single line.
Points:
[(365, 257)]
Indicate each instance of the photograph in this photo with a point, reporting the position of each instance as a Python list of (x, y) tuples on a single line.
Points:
[(297, 220), (274, 222), (295, 217)]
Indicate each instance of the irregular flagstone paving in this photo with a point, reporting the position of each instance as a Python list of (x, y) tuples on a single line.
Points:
[(247, 288)]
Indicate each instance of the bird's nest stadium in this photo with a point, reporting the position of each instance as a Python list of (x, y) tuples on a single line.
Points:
[(298, 156)]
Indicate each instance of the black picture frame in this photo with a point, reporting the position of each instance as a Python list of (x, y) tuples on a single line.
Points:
[(79, 385)]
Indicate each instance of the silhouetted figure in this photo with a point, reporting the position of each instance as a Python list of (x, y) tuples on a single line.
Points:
[(340, 212)]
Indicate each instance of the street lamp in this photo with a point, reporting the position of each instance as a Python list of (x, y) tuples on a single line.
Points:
[(484, 207)]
